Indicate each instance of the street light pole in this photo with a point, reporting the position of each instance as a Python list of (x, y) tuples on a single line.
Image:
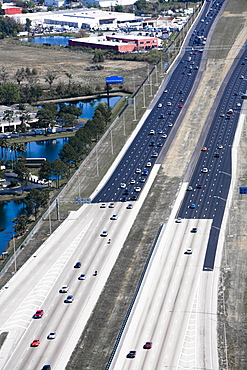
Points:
[(14, 253)]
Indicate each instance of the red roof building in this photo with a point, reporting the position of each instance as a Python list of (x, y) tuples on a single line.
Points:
[(13, 10)]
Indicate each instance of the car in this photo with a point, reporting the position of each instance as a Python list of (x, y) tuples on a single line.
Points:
[(160, 105), (193, 230), (64, 289), (46, 367), (241, 77), (152, 143), (217, 155), (162, 116), (77, 265), (122, 185), (82, 277), (238, 104), (131, 354), (230, 111), (154, 155), (151, 132), (192, 206), (145, 173), (170, 112), (129, 206), (111, 205), (103, 205), (52, 335), (169, 103), (164, 136), (138, 170), (148, 345), (188, 251), (69, 299), (142, 179), (126, 192), (159, 144), (180, 106), (114, 217), (38, 314), (179, 220), (220, 146), (222, 115), (160, 131), (170, 125), (123, 199), (138, 189), (204, 149), (35, 343), (180, 92), (104, 233), (132, 181), (199, 186), (189, 188), (149, 164), (133, 197), (204, 170), (165, 91)]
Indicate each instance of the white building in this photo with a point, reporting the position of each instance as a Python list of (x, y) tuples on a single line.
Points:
[(77, 18)]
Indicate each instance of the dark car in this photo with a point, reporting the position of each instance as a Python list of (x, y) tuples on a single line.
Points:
[(77, 265), (199, 186), (134, 197), (46, 367), (194, 230), (131, 354), (192, 206), (126, 192), (145, 173), (217, 155), (152, 143)]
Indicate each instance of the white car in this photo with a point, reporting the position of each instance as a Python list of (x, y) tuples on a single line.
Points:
[(52, 335), (138, 170), (138, 189), (103, 205), (64, 289), (111, 205), (149, 164), (160, 105), (122, 185), (154, 155), (189, 251), (179, 220), (204, 170), (132, 181), (151, 132), (169, 103), (164, 136)]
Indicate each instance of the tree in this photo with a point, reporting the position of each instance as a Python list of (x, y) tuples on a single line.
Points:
[(20, 169), (50, 76), (20, 75), (28, 24), (105, 111), (68, 154), (4, 74), (8, 116), (98, 57), (68, 119), (24, 118), (36, 199), (20, 224), (46, 116), (59, 170), (45, 170), (9, 93)]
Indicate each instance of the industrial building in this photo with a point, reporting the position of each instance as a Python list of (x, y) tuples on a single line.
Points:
[(119, 42)]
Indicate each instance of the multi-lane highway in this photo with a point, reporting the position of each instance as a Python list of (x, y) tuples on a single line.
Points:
[(36, 285)]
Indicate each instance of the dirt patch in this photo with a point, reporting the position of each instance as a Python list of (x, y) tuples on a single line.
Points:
[(64, 61)]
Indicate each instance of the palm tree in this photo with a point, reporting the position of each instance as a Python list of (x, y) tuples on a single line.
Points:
[(8, 116)]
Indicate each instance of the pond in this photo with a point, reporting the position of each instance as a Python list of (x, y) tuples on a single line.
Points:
[(53, 40)]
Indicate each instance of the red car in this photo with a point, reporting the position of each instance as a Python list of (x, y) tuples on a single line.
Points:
[(204, 149), (38, 314), (35, 343), (180, 106), (148, 345)]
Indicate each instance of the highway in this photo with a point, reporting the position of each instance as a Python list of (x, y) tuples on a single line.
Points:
[(36, 285)]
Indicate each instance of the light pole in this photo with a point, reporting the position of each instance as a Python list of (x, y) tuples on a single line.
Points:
[(14, 253), (143, 92)]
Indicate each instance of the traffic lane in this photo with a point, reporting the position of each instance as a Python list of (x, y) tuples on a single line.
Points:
[(51, 304), (160, 294)]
